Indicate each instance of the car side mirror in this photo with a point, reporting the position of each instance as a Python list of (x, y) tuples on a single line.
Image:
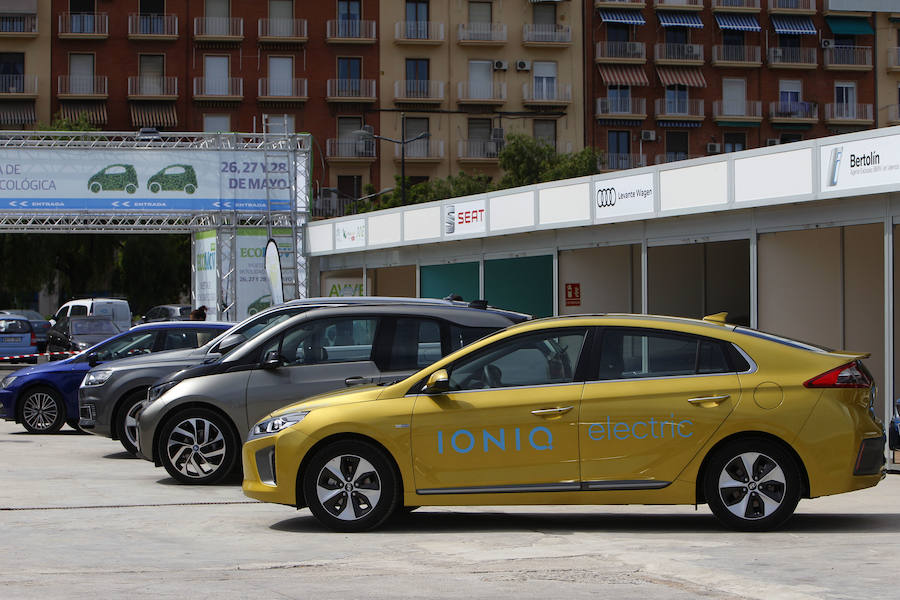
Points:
[(233, 340), (438, 382), (93, 359), (272, 360)]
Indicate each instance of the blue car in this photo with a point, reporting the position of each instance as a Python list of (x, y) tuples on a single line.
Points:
[(16, 336), (44, 397), (894, 433)]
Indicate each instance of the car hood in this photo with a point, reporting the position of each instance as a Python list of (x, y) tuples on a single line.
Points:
[(62, 366), (357, 393), (179, 357)]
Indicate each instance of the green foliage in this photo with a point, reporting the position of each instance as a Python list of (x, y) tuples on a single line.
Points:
[(527, 161), (428, 191), (58, 123)]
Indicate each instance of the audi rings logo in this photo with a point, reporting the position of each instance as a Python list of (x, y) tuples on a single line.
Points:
[(606, 197)]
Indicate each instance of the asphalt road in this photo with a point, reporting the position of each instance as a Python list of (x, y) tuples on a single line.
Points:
[(81, 519)]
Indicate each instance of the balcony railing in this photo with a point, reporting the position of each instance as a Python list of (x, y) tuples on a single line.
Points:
[(737, 109), (479, 149), (616, 161), (418, 90), (351, 88), (792, 6), (670, 157), (83, 24), (546, 33), (546, 92), (10, 25), (153, 86), (482, 32), (679, 4), (26, 85), (792, 56), (283, 89), (74, 85), (841, 111), (631, 51), (619, 3), (621, 107), (427, 149), (750, 55), (350, 148), (351, 29), (216, 87), (152, 26), (808, 111), (487, 93), (679, 52), (279, 30), (219, 28), (735, 5), (690, 107), (850, 57), (418, 31), (893, 114), (893, 58)]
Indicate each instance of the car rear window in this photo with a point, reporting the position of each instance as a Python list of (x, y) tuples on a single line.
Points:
[(14, 326), (633, 354), (98, 327)]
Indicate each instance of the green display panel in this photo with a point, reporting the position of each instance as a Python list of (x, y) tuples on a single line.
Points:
[(522, 284), (439, 281)]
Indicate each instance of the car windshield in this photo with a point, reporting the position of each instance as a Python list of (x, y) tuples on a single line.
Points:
[(31, 315), (94, 327), (14, 326)]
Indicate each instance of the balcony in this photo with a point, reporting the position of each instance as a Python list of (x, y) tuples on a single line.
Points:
[(848, 114), (540, 35), (735, 6), (350, 149), (737, 56), (282, 31), (680, 109), (152, 27), (480, 93), (848, 58), (546, 94), (893, 117), (18, 86), (670, 157), (621, 52), (219, 29), (679, 54), (679, 4), (83, 26), (793, 112), (228, 89), (350, 90), (418, 91), (621, 108), (356, 31), (481, 34), (479, 151), (792, 58), (73, 87), (418, 32), (156, 87), (421, 151), (18, 26), (793, 7), (618, 161), (737, 111), (282, 90), (620, 4)]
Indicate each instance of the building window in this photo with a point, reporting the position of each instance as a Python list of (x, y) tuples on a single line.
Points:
[(81, 73), (618, 150), (676, 145), (732, 37), (676, 100), (734, 97), (81, 16), (349, 186), (280, 124), (480, 18), (216, 75), (735, 142), (152, 17), (544, 13), (677, 35), (349, 19), (787, 138), (151, 68), (415, 126), (417, 19), (214, 123), (790, 95), (417, 78), (480, 144), (619, 98), (350, 143), (12, 72), (545, 131), (845, 100), (281, 18), (481, 79), (349, 81), (544, 80), (617, 32), (281, 76)]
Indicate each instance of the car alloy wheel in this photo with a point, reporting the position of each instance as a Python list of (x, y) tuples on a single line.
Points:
[(42, 411), (197, 446), (348, 487), (126, 421)]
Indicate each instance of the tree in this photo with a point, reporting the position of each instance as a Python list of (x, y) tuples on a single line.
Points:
[(428, 191), (60, 123), (527, 161)]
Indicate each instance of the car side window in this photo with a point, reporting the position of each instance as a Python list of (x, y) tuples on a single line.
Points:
[(180, 338), (77, 310), (416, 344), (128, 345), (540, 358), (345, 339), (632, 354)]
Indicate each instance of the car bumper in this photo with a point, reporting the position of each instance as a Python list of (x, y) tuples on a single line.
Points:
[(94, 411), (7, 405), (148, 418), (271, 465)]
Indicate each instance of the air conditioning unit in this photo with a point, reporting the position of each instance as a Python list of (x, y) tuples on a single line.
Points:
[(772, 142), (827, 43), (713, 148), (523, 65), (500, 65), (648, 135)]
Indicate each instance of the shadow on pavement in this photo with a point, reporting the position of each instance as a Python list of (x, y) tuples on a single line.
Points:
[(234, 479), (121, 455)]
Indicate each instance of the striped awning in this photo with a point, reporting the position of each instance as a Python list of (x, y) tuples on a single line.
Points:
[(95, 111), (629, 17), (737, 22), (623, 75), (153, 114), (17, 113), (689, 76), (795, 25), (670, 124), (679, 19)]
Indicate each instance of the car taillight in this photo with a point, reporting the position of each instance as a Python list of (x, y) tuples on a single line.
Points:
[(845, 376), (33, 340)]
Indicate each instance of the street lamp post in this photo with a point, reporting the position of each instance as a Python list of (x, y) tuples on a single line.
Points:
[(365, 133)]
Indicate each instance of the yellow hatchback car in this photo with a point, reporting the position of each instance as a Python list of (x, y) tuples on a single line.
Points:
[(606, 409)]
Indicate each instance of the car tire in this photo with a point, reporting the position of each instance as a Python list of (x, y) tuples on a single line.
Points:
[(333, 478), (155, 187), (42, 410), (126, 423), (190, 188), (752, 485), (197, 446)]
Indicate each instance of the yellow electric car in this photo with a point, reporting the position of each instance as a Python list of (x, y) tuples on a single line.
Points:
[(606, 409)]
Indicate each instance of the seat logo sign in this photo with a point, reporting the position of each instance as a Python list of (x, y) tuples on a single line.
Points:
[(465, 218), (606, 197)]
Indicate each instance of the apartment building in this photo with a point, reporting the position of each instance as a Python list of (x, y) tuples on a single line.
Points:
[(25, 34), (676, 79), (887, 27)]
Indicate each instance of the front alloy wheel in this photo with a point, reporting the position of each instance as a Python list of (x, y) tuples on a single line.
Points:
[(197, 446), (42, 411), (126, 425)]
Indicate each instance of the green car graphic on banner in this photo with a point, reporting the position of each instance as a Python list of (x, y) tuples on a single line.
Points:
[(173, 178), (114, 178)]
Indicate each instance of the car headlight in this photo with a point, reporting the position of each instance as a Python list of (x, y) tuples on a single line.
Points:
[(276, 424), (95, 378), (7, 381), (156, 391)]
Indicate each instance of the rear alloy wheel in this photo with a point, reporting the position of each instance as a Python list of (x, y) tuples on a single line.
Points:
[(42, 411), (126, 421), (351, 486), (197, 446), (753, 485)]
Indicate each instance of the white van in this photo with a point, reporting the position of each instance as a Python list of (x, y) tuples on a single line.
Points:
[(114, 308)]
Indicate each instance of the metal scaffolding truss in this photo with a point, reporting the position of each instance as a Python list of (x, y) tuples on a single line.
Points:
[(131, 223), (158, 140)]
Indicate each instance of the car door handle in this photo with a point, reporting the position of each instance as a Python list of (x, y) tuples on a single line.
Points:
[(357, 380), (559, 410), (711, 400)]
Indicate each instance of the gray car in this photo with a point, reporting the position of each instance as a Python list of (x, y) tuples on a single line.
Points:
[(194, 422), (110, 395)]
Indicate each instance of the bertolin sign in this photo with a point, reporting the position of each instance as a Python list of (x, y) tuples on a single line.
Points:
[(464, 218), (866, 163), (623, 197)]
